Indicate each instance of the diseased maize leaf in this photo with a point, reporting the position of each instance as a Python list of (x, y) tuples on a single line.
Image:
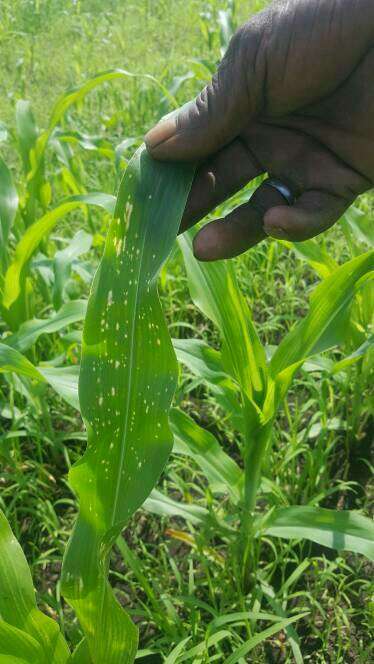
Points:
[(128, 376)]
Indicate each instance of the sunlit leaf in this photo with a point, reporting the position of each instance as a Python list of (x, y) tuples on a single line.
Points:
[(354, 357), (360, 225), (203, 647), (316, 255), (325, 325), (128, 376), (81, 654), (12, 360), (31, 239), (172, 658), (15, 642), (77, 94), (215, 291), (64, 380), (202, 360)]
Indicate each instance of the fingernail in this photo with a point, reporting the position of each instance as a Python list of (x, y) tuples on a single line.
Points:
[(276, 232), (160, 133)]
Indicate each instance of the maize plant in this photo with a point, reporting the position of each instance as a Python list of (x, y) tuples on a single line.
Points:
[(124, 389)]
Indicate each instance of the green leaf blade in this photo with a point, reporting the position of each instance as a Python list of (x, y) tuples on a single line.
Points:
[(344, 530), (27, 131), (30, 331), (325, 325), (222, 472), (12, 360), (64, 380), (35, 233), (259, 638), (34, 636), (128, 376), (8, 209), (214, 290)]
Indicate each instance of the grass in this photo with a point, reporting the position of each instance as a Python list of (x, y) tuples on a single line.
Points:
[(175, 590)]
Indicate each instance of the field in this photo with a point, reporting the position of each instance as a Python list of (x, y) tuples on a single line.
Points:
[(176, 568)]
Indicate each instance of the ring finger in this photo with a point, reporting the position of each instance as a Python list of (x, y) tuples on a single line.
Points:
[(239, 230)]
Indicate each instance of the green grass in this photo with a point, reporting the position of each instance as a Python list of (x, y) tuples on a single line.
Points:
[(50, 45), (175, 590)]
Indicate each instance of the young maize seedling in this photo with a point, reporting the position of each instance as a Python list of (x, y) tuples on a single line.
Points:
[(33, 210), (262, 385)]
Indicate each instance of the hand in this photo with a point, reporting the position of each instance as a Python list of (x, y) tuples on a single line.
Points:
[(294, 98)]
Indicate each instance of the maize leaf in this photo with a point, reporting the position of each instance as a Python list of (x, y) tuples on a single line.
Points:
[(15, 642), (215, 291), (74, 96), (221, 471), (37, 232), (12, 360), (25, 632), (29, 332), (316, 255), (325, 325), (64, 380), (128, 376), (348, 531), (360, 225), (158, 503), (62, 264), (27, 131), (8, 209)]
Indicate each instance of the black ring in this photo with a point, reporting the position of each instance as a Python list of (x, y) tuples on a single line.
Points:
[(282, 189)]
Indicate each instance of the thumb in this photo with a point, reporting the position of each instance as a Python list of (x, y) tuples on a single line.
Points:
[(217, 115)]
